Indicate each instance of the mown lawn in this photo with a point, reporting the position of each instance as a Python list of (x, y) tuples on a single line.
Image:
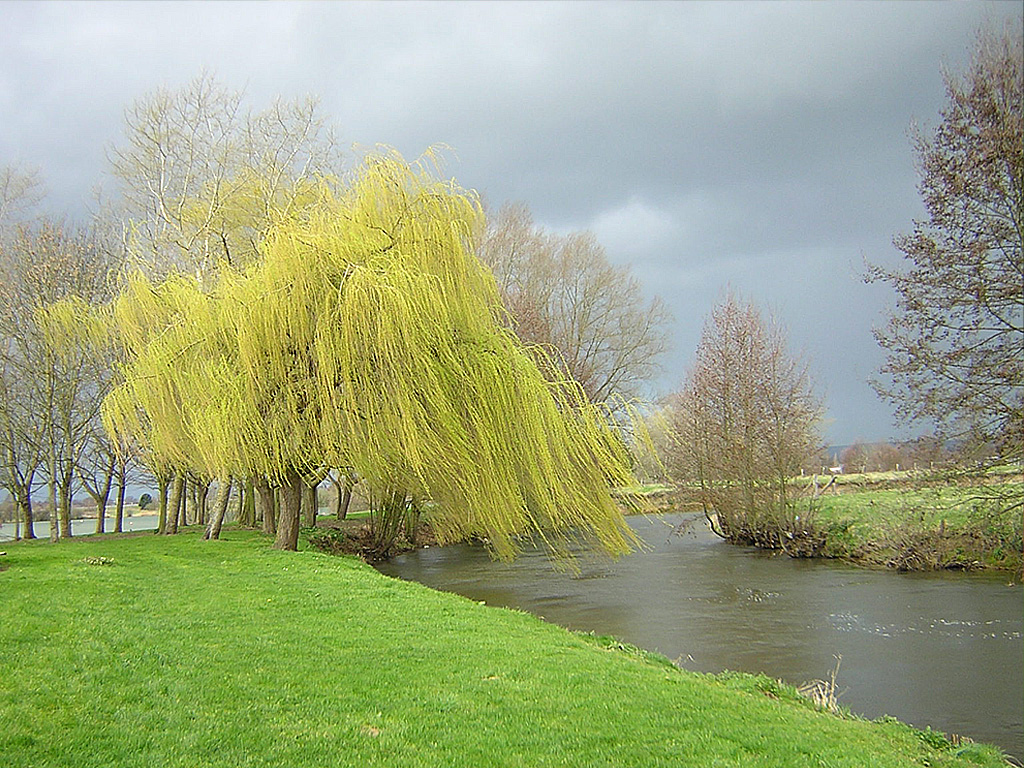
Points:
[(173, 651)]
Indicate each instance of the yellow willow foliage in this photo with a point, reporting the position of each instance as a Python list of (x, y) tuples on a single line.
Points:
[(233, 214), (369, 335), (72, 323)]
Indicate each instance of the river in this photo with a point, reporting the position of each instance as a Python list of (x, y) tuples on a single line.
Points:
[(943, 650), (84, 527)]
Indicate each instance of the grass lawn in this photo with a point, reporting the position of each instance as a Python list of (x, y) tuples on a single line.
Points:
[(173, 651)]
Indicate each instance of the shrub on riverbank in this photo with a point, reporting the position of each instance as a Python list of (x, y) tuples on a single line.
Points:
[(181, 652)]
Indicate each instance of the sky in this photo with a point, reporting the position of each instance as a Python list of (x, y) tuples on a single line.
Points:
[(761, 147)]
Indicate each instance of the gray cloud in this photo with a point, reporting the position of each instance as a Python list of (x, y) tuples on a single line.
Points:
[(757, 145)]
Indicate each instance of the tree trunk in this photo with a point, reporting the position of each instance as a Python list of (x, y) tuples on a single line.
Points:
[(193, 501), (162, 486), (291, 508), (220, 509), (101, 493), (202, 494), (265, 505), (183, 502), (101, 509), (345, 497), (175, 503), (119, 511), (54, 520), (23, 506), (101, 504), (249, 502), (64, 489), (310, 502)]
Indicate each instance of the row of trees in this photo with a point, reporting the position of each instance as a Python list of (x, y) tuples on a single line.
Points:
[(218, 212), (923, 453), (366, 335), (49, 399), (195, 304)]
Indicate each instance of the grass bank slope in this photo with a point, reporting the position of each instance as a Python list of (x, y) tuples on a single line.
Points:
[(172, 651)]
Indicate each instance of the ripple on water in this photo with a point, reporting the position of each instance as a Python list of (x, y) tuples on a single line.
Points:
[(995, 629)]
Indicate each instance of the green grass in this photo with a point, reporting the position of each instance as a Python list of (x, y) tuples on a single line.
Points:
[(172, 651), (951, 524)]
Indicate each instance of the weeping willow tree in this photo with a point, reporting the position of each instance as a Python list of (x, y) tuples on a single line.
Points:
[(368, 335)]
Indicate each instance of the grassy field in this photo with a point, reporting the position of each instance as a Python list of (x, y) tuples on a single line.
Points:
[(917, 526), (172, 651)]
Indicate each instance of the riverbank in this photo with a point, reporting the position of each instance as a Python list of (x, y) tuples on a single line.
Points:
[(175, 651), (903, 521), (957, 526)]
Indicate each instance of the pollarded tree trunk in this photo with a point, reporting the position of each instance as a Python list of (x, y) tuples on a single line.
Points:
[(291, 508), (122, 483), (309, 505), (220, 509), (174, 504), (265, 505)]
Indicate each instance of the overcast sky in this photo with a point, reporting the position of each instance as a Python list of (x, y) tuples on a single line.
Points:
[(762, 146)]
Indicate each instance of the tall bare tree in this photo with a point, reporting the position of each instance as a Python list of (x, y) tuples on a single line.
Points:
[(744, 423), (201, 176), (955, 343), (20, 192), (565, 296)]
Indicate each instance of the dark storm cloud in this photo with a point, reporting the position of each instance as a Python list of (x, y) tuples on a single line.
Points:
[(758, 145)]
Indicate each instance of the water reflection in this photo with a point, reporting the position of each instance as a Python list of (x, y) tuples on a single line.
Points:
[(944, 650)]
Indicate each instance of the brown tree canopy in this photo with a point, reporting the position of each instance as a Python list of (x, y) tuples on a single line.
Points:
[(570, 302), (955, 342)]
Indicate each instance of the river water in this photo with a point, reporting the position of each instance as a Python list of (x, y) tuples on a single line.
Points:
[(84, 527), (939, 650)]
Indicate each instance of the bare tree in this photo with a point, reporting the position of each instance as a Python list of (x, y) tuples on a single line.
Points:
[(566, 297), (955, 341), (872, 457), (50, 393), (200, 176), (21, 190), (744, 424)]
